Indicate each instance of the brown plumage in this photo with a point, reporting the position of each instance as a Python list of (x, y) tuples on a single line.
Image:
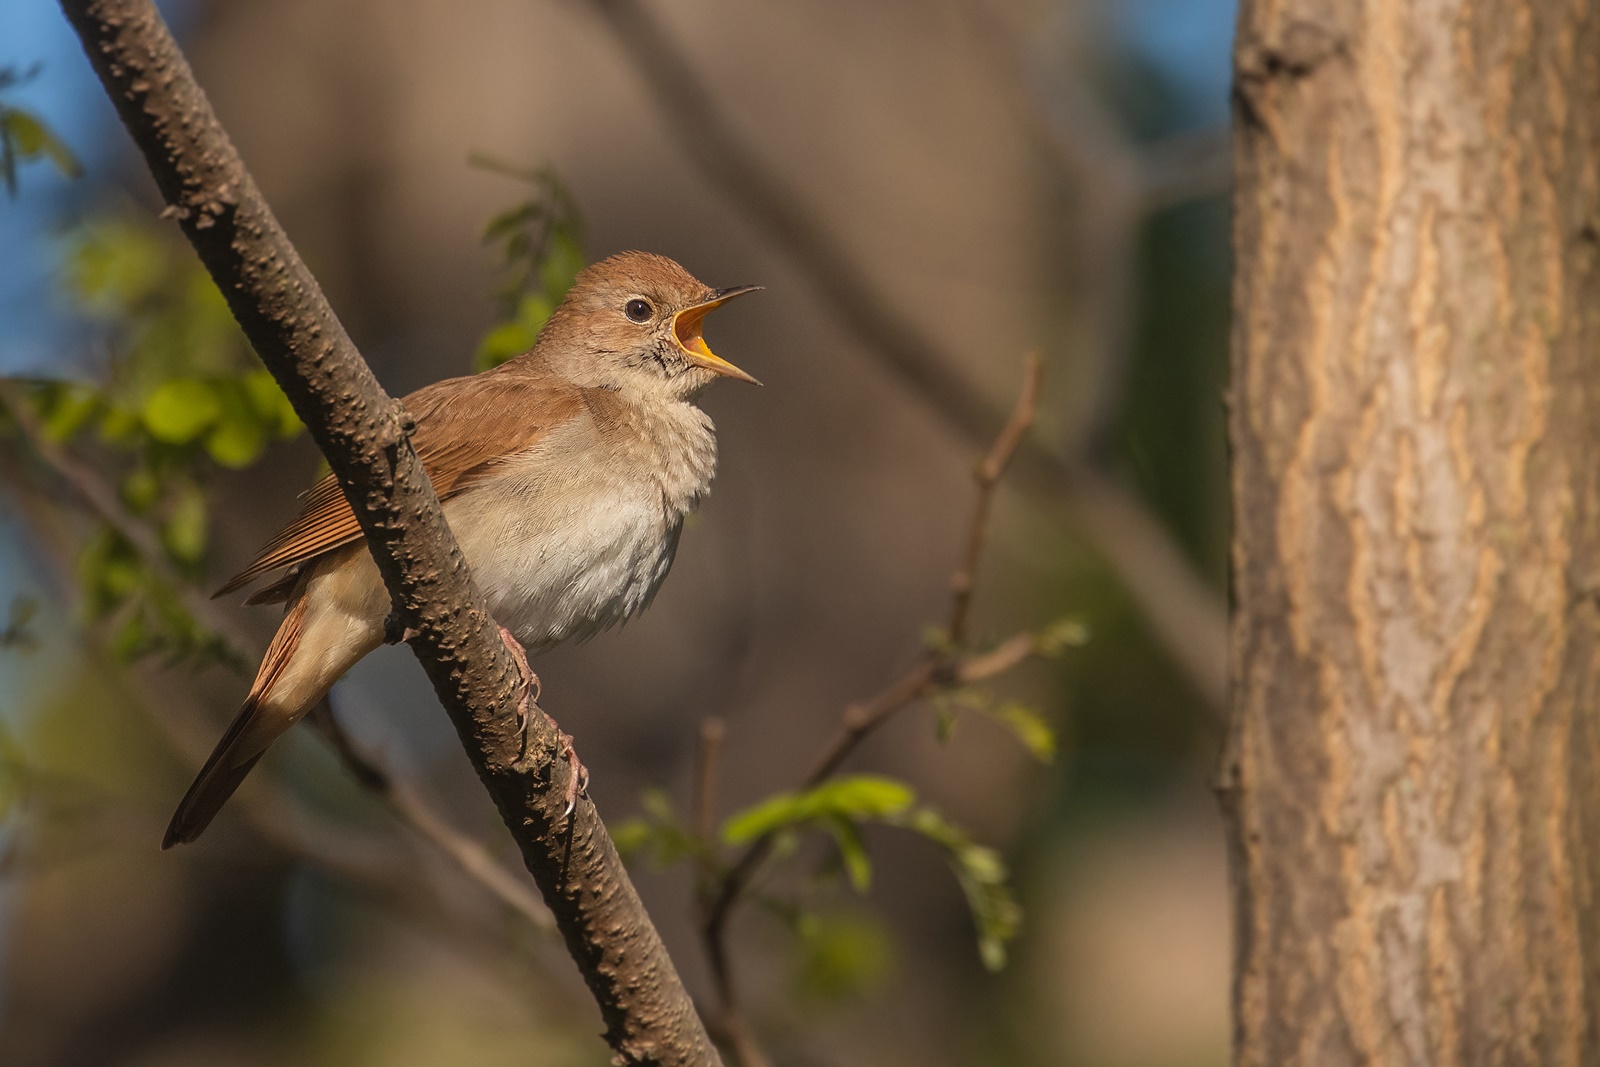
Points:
[(463, 426), (565, 474)]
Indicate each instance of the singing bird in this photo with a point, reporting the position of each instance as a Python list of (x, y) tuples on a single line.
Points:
[(565, 474)]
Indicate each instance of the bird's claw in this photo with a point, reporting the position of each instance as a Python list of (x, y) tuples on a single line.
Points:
[(578, 779), (530, 681), (394, 633)]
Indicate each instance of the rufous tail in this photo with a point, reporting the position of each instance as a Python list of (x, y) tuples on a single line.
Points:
[(244, 742)]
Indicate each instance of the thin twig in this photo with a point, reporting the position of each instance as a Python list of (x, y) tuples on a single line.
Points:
[(732, 1032), (1186, 613), (938, 667), (998, 660), (468, 855), (712, 731), (987, 475)]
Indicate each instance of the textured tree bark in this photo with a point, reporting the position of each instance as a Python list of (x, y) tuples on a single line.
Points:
[(364, 435), (1413, 776)]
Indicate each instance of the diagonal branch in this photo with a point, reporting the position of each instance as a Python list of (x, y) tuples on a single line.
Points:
[(1186, 614), (364, 434)]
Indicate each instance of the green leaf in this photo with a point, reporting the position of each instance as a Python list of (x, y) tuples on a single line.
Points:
[(32, 138), (180, 410), (863, 796), (502, 343), (658, 834), (852, 851), (1036, 735), (1060, 636), (66, 407), (110, 572), (236, 444), (267, 398), (113, 266), (1029, 726), (121, 425), (140, 490), (517, 336), (983, 880), (842, 957), (632, 836), (240, 435), (563, 260), (184, 532), (8, 161), (133, 638), (206, 338), (511, 220), (944, 721)]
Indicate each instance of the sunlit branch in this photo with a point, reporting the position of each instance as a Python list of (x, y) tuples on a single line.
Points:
[(365, 436)]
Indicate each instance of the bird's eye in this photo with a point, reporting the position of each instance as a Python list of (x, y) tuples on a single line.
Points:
[(638, 310)]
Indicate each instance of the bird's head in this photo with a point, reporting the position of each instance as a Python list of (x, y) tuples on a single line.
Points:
[(632, 322)]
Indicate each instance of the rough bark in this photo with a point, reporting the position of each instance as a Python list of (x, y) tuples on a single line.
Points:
[(364, 434), (1413, 777)]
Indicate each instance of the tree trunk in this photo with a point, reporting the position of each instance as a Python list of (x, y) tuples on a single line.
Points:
[(1413, 776)]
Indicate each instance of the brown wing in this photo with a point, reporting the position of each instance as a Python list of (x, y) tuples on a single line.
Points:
[(464, 427)]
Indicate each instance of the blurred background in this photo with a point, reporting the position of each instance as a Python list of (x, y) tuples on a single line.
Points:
[(983, 177)]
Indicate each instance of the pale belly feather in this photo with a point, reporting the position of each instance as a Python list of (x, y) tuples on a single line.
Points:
[(564, 564), (562, 547)]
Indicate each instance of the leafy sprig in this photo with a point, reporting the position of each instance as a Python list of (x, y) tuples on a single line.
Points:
[(181, 395), (540, 241), (25, 138)]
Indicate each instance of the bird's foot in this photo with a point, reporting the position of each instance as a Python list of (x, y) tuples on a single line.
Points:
[(578, 779), (394, 633), (530, 681)]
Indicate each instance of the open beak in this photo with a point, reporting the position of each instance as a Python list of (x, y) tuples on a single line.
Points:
[(686, 328)]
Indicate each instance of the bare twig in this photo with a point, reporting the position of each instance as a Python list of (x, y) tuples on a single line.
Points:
[(998, 660), (733, 1033), (937, 668), (1186, 613), (365, 435), (712, 731), (469, 856), (944, 664), (988, 476)]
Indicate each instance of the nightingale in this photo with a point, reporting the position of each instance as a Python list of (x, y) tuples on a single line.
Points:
[(565, 474)]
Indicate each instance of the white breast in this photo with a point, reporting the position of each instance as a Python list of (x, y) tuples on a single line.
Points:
[(578, 534)]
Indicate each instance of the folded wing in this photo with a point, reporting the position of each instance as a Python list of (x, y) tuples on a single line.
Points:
[(464, 427)]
